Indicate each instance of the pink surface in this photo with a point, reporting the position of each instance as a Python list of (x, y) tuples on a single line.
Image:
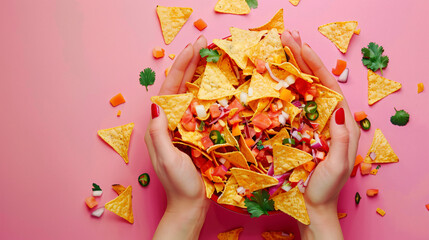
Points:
[(61, 61)]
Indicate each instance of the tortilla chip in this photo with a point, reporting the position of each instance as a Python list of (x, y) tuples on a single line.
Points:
[(246, 113), (209, 187), (229, 138), (291, 57), (219, 186), (271, 235), (277, 139), (242, 88), (172, 20), (291, 69), (292, 110), (268, 48), (235, 158), (340, 33), (252, 180), (326, 104), (246, 150), (230, 191), (299, 173), (193, 137), (275, 22), (214, 84), (260, 105), (174, 107), (193, 147), (326, 131), (239, 7), (122, 205), (262, 86), (230, 235), (380, 87), (214, 147), (382, 149), (118, 188), (341, 215), (193, 88), (118, 138), (292, 203), (286, 158), (294, 2), (225, 67), (249, 68)]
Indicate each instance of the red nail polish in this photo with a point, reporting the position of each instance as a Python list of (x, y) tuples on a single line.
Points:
[(339, 116), (155, 110), (187, 46)]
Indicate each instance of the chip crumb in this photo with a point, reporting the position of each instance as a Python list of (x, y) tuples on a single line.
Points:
[(119, 113), (341, 215), (381, 212), (427, 206), (374, 171), (420, 87), (172, 56), (357, 31), (167, 70)]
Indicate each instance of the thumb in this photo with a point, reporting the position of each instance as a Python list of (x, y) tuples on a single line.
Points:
[(338, 149), (158, 132)]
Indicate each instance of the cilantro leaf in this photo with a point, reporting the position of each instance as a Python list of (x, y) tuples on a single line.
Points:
[(252, 3), (373, 59), (147, 77), (259, 145), (201, 126), (95, 187), (212, 55), (400, 118), (259, 204)]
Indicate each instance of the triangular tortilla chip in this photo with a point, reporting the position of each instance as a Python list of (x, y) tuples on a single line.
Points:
[(291, 57), (246, 38), (214, 147), (292, 110), (252, 180), (193, 147), (278, 138), (326, 104), (262, 86), (235, 158), (275, 22), (172, 20), (380, 87), (209, 187), (174, 107), (225, 67), (249, 68), (299, 173), (193, 137), (294, 2), (230, 235), (118, 138), (219, 186), (382, 149), (339, 33), (242, 88), (326, 131), (291, 69), (214, 84), (286, 158), (229, 138), (232, 7), (268, 48), (271, 235), (194, 89), (122, 205), (292, 203), (246, 151), (229, 193)]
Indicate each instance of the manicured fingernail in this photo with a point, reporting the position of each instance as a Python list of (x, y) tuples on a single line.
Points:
[(295, 34), (339, 116), (154, 110), (307, 45), (189, 44)]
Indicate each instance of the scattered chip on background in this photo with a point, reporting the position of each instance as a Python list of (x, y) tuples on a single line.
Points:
[(294, 2), (232, 6), (118, 188), (276, 22), (174, 107), (382, 149), (252, 180), (380, 87), (118, 138), (292, 203), (122, 205), (172, 20), (340, 33), (230, 235), (272, 235)]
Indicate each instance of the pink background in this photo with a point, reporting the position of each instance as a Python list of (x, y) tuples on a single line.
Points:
[(61, 61)]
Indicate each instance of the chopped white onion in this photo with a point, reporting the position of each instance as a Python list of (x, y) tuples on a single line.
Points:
[(267, 66), (201, 111), (285, 115), (241, 190), (290, 79), (372, 155), (222, 160), (301, 186), (320, 155), (97, 193), (243, 98), (250, 92), (297, 135), (279, 85), (282, 119), (98, 212), (344, 75), (285, 84), (305, 135), (223, 102), (286, 186)]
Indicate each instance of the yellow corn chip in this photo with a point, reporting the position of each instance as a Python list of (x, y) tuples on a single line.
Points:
[(261, 105), (268, 48), (225, 66), (242, 88), (235, 158), (294, 2), (214, 84), (326, 104), (246, 151), (290, 68), (219, 186), (193, 88), (292, 203), (174, 107), (232, 7), (118, 188), (193, 137), (292, 59), (209, 187), (172, 20), (271, 235), (230, 191), (339, 33), (286, 158), (230, 235), (252, 180), (122, 205), (193, 147), (275, 22), (381, 212), (262, 86), (277, 139), (292, 110), (118, 138), (380, 87), (341, 215), (214, 147), (249, 68), (299, 173), (245, 38), (229, 138), (382, 149)]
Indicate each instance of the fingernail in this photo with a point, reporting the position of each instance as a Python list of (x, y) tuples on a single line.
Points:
[(199, 36), (339, 116), (307, 45), (187, 45), (155, 110), (287, 30), (295, 34)]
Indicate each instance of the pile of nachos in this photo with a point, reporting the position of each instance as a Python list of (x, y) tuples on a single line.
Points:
[(254, 125)]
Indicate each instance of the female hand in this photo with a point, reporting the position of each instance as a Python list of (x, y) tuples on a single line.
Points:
[(328, 178), (187, 204)]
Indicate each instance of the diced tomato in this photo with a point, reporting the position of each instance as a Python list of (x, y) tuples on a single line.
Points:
[(276, 105), (302, 86), (195, 153), (236, 130), (214, 111), (274, 123), (272, 114), (341, 65), (260, 65), (199, 161), (261, 154), (359, 116), (209, 172), (325, 146), (365, 168), (187, 116), (312, 91), (236, 104), (217, 126), (262, 121), (91, 202), (206, 166), (249, 142), (371, 192), (194, 103), (158, 52), (308, 97), (200, 24), (219, 171), (269, 158), (252, 132), (227, 164), (207, 142), (255, 152), (309, 166), (358, 160), (235, 119), (306, 147), (191, 125)]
